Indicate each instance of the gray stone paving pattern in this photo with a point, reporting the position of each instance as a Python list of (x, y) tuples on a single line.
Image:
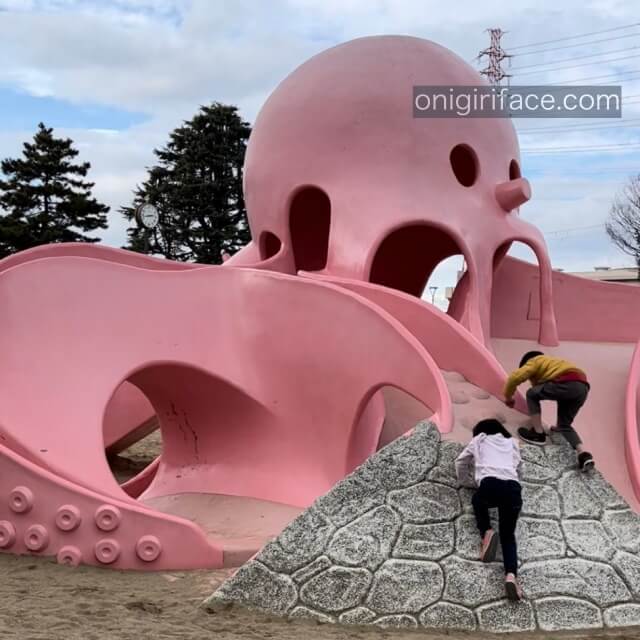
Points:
[(395, 545)]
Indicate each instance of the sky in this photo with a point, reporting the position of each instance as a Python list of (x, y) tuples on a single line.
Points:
[(117, 76)]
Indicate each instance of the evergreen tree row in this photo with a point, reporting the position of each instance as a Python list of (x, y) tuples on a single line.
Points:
[(195, 185)]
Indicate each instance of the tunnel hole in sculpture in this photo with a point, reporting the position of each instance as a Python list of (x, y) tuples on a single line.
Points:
[(181, 405), (309, 225), (131, 432), (402, 413), (269, 245), (408, 257), (206, 425), (191, 406)]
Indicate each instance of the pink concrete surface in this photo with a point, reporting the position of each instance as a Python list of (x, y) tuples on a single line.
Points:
[(598, 325), (586, 310), (451, 346), (244, 524), (602, 421), (472, 403), (42, 513), (229, 412), (632, 415), (384, 204), (97, 252), (136, 486), (129, 416), (276, 374), (381, 200)]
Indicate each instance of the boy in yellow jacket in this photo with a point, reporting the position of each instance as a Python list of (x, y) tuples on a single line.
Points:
[(551, 379)]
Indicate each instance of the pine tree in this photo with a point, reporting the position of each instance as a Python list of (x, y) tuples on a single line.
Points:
[(44, 197), (197, 188)]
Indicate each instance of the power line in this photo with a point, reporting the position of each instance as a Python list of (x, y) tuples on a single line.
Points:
[(591, 55), (586, 148), (582, 127), (581, 35), (611, 77), (560, 130), (597, 172), (573, 230), (576, 44), (575, 66)]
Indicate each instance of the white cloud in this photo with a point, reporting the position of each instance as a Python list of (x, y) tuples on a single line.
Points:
[(166, 57)]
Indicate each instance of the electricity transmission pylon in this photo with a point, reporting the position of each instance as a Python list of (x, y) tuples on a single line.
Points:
[(496, 55)]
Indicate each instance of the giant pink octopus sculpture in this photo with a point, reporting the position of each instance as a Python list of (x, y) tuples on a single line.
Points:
[(269, 376)]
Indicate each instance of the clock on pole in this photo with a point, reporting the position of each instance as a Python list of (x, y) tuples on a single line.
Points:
[(147, 215)]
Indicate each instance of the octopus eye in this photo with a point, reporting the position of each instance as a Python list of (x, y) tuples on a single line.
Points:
[(514, 170), (464, 163)]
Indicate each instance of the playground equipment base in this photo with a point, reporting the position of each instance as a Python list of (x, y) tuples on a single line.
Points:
[(239, 526), (395, 545)]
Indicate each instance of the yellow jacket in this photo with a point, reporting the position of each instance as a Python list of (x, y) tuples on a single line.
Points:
[(538, 370)]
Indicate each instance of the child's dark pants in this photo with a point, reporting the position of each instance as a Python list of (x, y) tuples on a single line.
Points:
[(506, 495), (570, 396)]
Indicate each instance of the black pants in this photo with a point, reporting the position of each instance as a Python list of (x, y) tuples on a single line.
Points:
[(506, 495), (570, 396)]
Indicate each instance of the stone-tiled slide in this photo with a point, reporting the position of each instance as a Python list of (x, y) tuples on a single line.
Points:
[(395, 544)]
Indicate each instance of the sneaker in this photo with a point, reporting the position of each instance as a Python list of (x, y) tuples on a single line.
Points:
[(531, 436), (489, 546), (585, 461), (511, 586)]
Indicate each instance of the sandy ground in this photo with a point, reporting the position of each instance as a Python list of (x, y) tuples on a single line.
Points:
[(45, 601), (41, 600)]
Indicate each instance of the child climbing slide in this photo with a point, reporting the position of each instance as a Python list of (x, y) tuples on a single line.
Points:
[(551, 379), (496, 456)]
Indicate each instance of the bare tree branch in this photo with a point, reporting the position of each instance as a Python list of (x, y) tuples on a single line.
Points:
[(623, 225)]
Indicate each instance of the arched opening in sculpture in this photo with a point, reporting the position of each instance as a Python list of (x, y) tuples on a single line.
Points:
[(198, 416), (203, 422), (408, 256), (515, 249), (386, 415), (519, 250), (442, 281), (190, 404), (402, 413), (131, 432), (309, 226)]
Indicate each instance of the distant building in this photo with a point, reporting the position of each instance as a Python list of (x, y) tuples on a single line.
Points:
[(448, 291), (626, 275)]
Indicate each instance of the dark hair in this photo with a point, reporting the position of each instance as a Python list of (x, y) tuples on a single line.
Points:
[(490, 427), (527, 356)]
